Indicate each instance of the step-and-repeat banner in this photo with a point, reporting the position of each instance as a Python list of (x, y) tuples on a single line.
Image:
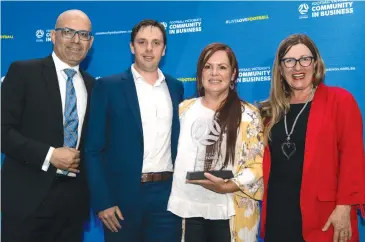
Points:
[(253, 30)]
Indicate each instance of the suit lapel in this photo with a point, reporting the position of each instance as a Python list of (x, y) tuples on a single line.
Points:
[(87, 81), (88, 84), (174, 97), (132, 98), (175, 126), (52, 86), (314, 126)]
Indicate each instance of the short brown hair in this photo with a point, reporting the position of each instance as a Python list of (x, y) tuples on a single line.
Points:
[(146, 23)]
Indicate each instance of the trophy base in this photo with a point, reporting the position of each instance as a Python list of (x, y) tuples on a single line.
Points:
[(199, 175)]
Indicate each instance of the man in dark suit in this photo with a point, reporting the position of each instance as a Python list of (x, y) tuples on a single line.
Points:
[(132, 143), (44, 105)]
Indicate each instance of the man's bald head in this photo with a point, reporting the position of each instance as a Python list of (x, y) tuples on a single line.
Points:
[(68, 45), (69, 15)]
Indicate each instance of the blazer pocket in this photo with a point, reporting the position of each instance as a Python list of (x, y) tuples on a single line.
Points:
[(327, 196)]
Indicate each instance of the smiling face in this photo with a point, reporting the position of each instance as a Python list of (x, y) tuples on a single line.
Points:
[(71, 51), (148, 47), (217, 73), (298, 74)]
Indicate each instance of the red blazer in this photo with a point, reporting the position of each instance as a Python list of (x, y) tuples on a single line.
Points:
[(334, 163)]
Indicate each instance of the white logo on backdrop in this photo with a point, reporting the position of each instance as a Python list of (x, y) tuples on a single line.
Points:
[(39, 33), (303, 8), (164, 24)]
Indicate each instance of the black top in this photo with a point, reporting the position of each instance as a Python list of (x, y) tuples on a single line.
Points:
[(284, 218)]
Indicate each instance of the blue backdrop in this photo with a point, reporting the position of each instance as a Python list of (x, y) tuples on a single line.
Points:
[(253, 30)]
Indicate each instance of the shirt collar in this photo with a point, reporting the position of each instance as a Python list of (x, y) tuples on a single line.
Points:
[(60, 65), (139, 77)]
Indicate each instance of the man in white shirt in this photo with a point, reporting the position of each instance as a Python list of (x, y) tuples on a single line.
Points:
[(132, 144), (43, 114)]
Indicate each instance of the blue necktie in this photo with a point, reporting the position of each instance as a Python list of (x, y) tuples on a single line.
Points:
[(71, 123)]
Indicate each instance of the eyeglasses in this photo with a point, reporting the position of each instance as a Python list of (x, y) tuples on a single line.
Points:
[(69, 33), (303, 61)]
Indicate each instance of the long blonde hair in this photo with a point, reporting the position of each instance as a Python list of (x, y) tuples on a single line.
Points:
[(273, 109)]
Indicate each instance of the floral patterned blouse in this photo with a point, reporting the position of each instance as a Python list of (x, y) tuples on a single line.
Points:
[(248, 173)]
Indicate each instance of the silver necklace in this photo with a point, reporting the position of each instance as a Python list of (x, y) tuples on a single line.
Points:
[(287, 146)]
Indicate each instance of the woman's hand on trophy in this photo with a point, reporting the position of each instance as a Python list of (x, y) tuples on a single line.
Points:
[(216, 184)]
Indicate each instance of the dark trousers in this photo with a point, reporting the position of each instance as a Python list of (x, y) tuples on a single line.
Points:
[(204, 230), (155, 223), (57, 219)]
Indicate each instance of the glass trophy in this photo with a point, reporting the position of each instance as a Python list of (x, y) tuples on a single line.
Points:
[(205, 134)]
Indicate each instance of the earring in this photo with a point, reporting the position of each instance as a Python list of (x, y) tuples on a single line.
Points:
[(231, 85)]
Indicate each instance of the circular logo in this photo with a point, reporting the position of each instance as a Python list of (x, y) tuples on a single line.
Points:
[(205, 131), (39, 33), (303, 8)]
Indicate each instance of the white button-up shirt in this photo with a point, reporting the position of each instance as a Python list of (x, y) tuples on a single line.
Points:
[(81, 95), (156, 113)]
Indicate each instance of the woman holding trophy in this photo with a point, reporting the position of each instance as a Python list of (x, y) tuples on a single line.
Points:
[(218, 170)]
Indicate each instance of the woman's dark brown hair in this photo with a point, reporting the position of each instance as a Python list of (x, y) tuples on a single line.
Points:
[(228, 114)]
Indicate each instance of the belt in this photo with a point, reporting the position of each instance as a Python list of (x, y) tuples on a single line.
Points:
[(156, 176)]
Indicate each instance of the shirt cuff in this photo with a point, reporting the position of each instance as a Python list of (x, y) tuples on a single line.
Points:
[(47, 161)]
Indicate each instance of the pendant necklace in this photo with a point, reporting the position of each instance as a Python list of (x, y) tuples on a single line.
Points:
[(288, 147)]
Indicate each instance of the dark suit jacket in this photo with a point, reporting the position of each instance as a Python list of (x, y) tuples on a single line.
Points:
[(31, 122), (114, 144)]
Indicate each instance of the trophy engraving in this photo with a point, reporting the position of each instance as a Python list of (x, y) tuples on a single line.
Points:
[(205, 133)]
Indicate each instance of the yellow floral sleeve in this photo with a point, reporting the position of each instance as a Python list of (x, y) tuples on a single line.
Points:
[(248, 173), (250, 154), (248, 176)]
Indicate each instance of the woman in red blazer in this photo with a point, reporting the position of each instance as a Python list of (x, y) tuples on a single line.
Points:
[(314, 162)]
